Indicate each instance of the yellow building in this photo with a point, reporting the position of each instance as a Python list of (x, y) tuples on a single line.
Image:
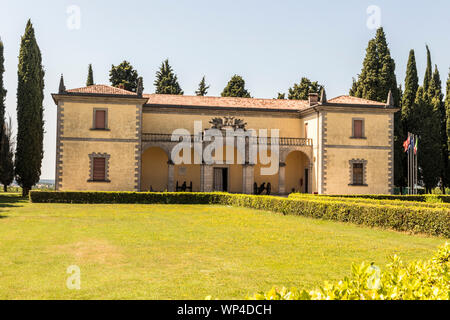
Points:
[(112, 139)]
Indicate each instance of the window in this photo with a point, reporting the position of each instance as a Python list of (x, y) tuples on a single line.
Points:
[(358, 129), (358, 173), (358, 168), (99, 167), (100, 121)]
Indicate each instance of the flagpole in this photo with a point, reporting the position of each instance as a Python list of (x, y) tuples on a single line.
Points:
[(409, 164), (416, 141)]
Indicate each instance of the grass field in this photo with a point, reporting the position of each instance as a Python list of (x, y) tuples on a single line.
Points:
[(179, 251)]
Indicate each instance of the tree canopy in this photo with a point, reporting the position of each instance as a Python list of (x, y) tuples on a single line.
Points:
[(301, 90), (166, 80), (124, 75), (236, 88)]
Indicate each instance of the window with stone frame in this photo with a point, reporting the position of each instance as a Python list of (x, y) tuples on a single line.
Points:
[(99, 167), (358, 168), (358, 128), (100, 119)]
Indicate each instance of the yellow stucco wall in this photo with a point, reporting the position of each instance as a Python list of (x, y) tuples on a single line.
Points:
[(340, 148), (168, 122), (154, 170), (78, 141), (338, 174), (75, 173), (78, 119)]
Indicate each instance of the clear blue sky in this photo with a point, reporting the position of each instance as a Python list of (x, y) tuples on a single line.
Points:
[(272, 44)]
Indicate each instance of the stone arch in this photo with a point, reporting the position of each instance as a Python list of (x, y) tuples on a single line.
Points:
[(297, 171), (154, 169), (166, 147)]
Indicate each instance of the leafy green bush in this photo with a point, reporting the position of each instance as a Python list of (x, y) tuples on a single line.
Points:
[(434, 221), (417, 280)]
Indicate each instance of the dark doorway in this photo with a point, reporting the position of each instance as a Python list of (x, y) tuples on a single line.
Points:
[(306, 180), (220, 179)]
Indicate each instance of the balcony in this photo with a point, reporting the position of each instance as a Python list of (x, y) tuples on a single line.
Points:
[(282, 141)]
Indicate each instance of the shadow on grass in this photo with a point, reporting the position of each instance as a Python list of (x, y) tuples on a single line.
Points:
[(10, 200)]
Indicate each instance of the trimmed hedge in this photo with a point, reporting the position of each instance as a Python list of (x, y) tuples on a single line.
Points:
[(373, 201), (416, 197), (433, 221)]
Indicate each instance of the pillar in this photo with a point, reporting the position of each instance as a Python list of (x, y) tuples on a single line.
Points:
[(281, 178), (171, 176), (248, 178), (206, 178)]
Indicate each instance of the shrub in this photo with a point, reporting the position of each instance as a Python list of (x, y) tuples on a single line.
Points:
[(434, 221), (417, 280), (430, 202), (415, 197)]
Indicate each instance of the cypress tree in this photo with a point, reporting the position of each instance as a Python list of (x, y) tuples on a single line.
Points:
[(354, 88), (377, 75), (236, 88), (6, 157), (30, 95), (376, 79), (368, 81), (303, 89), (438, 106), (409, 109), (90, 77), (429, 140), (166, 80), (2, 90), (447, 109), (428, 73), (202, 88)]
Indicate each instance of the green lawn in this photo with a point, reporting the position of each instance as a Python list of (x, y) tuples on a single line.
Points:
[(179, 251)]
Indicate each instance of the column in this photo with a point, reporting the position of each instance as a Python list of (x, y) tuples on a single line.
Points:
[(310, 178), (247, 178), (207, 177), (171, 176), (281, 178)]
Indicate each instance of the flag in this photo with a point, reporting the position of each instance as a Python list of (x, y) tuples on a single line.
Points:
[(406, 144), (411, 143), (416, 145)]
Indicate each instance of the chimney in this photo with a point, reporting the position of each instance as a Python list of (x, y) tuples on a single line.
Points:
[(121, 86), (313, 99)]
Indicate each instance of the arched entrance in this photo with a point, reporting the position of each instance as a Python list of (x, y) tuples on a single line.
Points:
[(154, 170), (297, 173)]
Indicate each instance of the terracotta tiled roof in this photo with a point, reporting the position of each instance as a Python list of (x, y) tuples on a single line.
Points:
[(101, 89), (226, 102), (354, 100)]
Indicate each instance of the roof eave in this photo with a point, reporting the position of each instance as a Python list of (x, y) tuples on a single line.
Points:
[(197, 107), (58, 96)]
